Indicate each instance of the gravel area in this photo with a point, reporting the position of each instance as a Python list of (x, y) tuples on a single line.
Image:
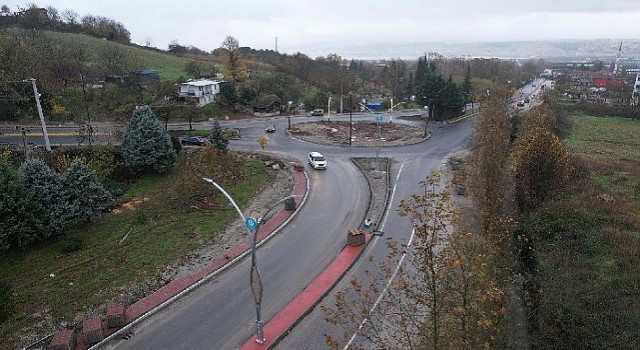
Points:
[(362, 133)]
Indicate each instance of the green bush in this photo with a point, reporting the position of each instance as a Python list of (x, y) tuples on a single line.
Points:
[(146, 145), (177, 146)]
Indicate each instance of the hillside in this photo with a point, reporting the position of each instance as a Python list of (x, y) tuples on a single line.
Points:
[(100, 51)]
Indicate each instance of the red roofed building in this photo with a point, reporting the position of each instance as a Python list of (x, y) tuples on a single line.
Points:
[(608, 83)]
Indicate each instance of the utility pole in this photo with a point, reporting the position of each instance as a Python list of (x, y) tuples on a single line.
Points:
[(39, 107)]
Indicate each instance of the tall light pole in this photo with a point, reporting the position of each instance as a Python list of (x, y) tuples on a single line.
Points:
[(350, 118), (329, 108), (426, 120), (253, 225)]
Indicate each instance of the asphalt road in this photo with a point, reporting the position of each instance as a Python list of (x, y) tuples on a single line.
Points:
[(221, 313), (412, 164)]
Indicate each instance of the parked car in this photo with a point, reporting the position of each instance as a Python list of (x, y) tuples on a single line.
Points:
[(520, 104), (317, 160), (270, 129), (193, 141), (317, 112)]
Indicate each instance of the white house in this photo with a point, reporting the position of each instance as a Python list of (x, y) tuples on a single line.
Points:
[(204, 91)]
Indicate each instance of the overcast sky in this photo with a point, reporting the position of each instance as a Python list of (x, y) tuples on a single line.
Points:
[(303, 24)]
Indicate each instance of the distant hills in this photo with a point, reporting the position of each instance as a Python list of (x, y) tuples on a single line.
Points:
[(553, 50)]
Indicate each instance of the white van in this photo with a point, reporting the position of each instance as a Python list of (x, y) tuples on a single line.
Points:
[(317, 160)]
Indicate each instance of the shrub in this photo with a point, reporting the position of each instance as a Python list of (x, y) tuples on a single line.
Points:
[(146, 145), (19, 214), (218, 139), (176, 144), (83, 193), (47, 187)]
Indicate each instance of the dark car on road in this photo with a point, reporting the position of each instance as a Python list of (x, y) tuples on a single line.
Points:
[(270, 129), (193, 141)]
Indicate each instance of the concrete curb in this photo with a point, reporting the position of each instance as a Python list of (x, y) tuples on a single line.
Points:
[(286, 319)]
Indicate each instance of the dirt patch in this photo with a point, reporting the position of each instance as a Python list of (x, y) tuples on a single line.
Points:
[(362, 133), (129, 205)]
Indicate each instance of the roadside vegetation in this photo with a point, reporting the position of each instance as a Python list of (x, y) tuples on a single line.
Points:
[(585, 242), (85, 226)]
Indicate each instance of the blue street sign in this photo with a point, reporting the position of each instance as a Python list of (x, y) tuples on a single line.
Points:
[(426, 108), (251, 223)]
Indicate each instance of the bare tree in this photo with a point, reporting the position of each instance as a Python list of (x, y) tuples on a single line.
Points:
[(443, 293)]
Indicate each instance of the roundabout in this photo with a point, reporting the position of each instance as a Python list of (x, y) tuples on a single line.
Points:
[(362, 134)]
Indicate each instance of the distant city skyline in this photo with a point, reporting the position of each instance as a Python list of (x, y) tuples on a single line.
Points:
[(306, 26)]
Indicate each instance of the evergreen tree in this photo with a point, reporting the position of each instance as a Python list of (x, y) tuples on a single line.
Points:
[(83, 193), (452, 100), (467, 86), (217, 137), (21, 220), (47, 187), (443, 97), (228, 91), (146, 145)]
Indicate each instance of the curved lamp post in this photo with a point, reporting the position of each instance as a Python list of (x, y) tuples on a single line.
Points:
[(253, 225)]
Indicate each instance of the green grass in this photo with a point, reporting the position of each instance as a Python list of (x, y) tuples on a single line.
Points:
[(605, 137), (170, 67), (588, 243), (174, 214)]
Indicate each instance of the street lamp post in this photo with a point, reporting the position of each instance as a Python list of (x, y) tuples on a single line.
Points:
[(289, 114), (350, 119), (426, 120), (329, 108), (253, 226)]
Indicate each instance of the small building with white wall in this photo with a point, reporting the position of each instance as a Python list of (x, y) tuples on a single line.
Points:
[(204, 91)]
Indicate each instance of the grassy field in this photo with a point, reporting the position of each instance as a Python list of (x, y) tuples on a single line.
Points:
[(170, 67), (588, 243), (160, 219)]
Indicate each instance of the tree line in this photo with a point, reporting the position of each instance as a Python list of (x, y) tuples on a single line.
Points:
[(50, 18)]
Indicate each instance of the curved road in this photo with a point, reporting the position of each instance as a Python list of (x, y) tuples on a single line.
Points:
[(221, 314)]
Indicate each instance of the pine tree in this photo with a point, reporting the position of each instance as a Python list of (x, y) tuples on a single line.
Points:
[(47, 186), (83, 193), (21, 220), (467, 86), (217, 137), (146, 145)]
